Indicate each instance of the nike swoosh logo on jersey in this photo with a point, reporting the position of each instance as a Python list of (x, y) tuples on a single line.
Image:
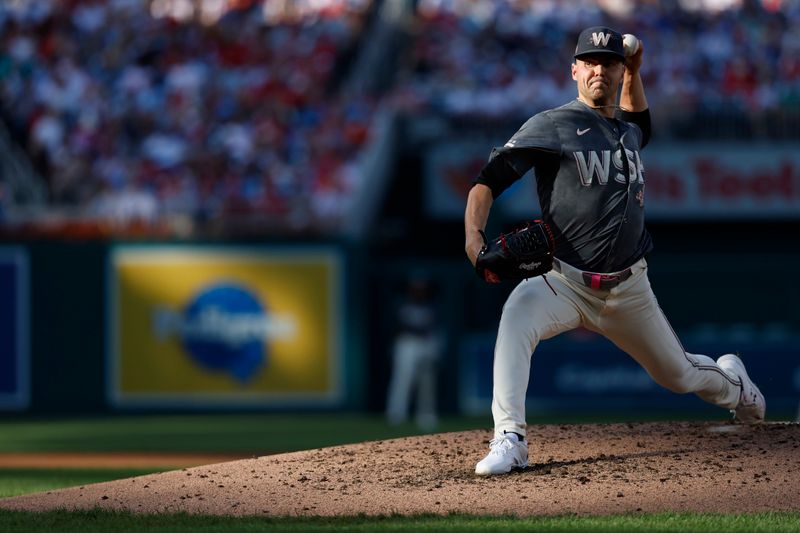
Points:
[(581, 132)]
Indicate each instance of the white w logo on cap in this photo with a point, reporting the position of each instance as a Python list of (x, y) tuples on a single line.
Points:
[(601, 37)]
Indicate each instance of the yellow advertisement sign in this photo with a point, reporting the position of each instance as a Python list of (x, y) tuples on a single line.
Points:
[(210, 326)]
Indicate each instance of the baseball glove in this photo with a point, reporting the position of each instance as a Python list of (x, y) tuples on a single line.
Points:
[(524, 253)]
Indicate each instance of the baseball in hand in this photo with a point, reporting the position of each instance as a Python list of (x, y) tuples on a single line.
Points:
[(630, 44)]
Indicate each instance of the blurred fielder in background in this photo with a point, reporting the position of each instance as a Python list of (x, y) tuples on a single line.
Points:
[(590, 180), (415, 356)]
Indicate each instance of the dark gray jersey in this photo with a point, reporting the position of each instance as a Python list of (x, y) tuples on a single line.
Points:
[(590, 182)]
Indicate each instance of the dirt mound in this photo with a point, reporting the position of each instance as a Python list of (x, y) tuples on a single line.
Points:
[(574, 469)]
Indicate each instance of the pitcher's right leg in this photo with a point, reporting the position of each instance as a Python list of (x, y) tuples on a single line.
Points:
[(533, 312)]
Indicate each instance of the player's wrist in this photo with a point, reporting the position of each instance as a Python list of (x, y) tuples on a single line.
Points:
[(472, 250)]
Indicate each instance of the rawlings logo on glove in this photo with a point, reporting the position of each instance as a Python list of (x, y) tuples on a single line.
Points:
[(524, 253)]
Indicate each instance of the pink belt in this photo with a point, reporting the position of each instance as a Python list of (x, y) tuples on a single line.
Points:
[(594, 280)]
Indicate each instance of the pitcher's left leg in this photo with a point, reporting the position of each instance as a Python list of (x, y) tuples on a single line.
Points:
[(634, 321)]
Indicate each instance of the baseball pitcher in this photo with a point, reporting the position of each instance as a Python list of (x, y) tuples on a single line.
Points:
[(586, 156)]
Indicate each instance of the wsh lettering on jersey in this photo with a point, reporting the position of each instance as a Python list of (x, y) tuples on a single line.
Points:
[(597, 164)]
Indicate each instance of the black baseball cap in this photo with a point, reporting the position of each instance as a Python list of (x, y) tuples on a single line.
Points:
[(600, 40)]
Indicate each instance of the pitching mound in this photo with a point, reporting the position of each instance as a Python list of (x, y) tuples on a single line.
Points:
[(575, 469)]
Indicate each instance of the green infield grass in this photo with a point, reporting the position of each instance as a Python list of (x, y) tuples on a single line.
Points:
[(220, 433), (16, 481), (102, 521)]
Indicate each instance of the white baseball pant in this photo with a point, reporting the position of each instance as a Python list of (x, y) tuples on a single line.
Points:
[(627, 314)]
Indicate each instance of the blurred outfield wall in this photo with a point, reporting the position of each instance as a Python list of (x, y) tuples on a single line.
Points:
[(108, 326), (101, 327)]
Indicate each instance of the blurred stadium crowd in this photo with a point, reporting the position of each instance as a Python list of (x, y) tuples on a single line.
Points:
[(132, 115), (490, 58), (171, 116)]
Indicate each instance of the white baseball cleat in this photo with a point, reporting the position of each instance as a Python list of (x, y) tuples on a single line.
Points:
[(752, 406), (507, 453)]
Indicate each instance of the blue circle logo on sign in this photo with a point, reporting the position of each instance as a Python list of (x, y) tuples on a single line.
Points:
[(225, 328)]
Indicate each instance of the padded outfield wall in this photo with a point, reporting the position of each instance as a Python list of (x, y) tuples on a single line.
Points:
[(132, 327), (95, 327)]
